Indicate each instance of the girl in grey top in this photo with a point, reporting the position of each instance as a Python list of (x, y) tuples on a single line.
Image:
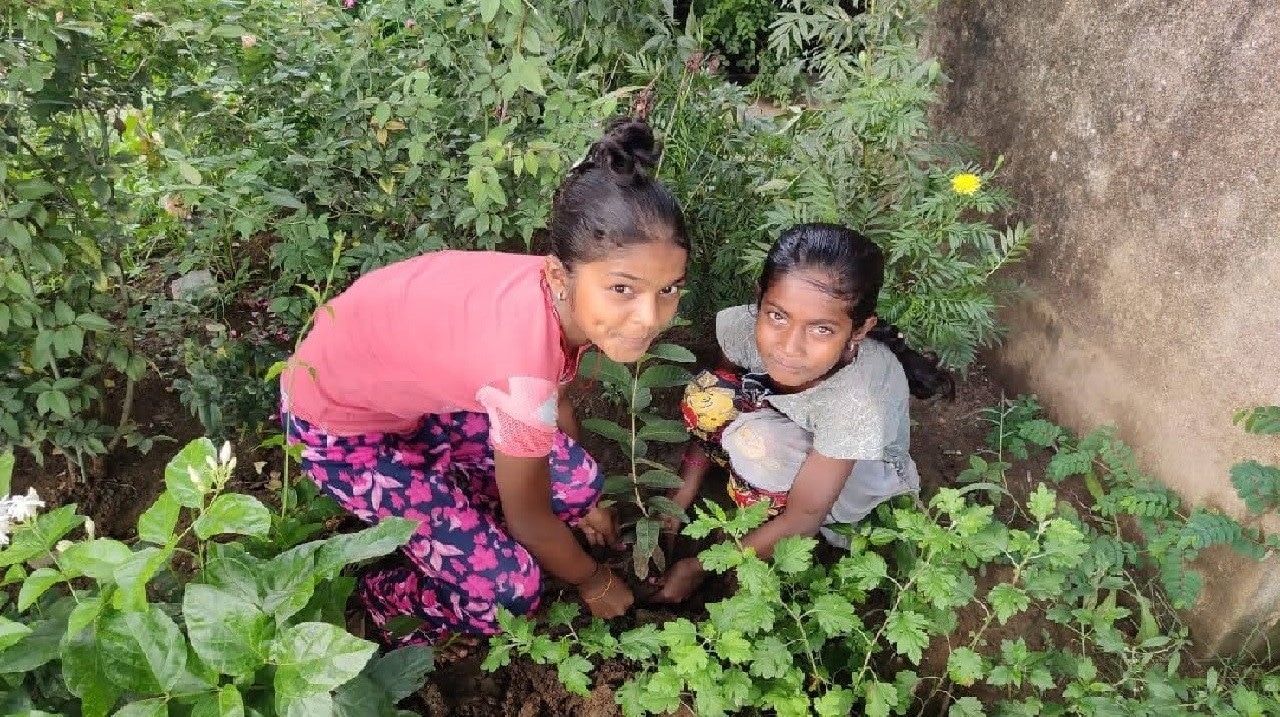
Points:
[(809, 410)]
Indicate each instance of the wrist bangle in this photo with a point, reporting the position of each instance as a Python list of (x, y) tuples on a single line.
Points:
[(607, 586), (694, 462)]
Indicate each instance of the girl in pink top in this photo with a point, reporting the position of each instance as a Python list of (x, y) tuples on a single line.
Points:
[(433, 389)]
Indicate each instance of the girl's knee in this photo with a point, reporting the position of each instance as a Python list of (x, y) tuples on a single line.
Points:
[(576, 480)]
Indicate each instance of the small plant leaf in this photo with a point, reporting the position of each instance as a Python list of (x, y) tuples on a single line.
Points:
[(672, 352), (233, 513), (144, 651), (186, 477), (665, 431), (228, 633), (157, 523), (664, 376), (316, 657)]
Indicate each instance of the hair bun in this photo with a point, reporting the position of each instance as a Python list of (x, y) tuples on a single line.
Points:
[(627, 150)]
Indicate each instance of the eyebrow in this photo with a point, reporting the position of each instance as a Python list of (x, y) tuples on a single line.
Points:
[(814, 322), (638, 280)]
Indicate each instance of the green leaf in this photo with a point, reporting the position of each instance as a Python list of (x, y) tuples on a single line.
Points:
[(664, 376), (661, 479), (157, 523), (835, 615), (489, 9), (1065, 464), (190, 174), (647, 532), (143, 651), (664, 430), (6, 472), (837, 702), (317, 657), (1257, 485), (882, 698), (185, 488), (233, 513), (1040, 432), (93, 322), (11, 633), (85, 674), (608, 429), (226, 702), (133, 575), (528, 73), (772, 658), (288, 582), (283, 198), (402, 672), (1263, 420), (672, 352), (793, 554), (43, 644), (84, 614), (96, 558), (157, 707), (1042, 503), (360, 697), (227, 632), (1008, 601), (966, 707), (641, 643), (35, 585), (382, 539), (905, 630), (663, 505), (964, 666), (39, 537), (573, 673)]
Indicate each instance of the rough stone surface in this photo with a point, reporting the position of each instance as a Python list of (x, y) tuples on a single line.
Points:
[(192, 284), (1142, 139)]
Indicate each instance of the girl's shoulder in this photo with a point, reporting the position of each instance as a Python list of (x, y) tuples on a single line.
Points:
[(736, 334)]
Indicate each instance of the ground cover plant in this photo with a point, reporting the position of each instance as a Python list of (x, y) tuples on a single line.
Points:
[(266, 153)]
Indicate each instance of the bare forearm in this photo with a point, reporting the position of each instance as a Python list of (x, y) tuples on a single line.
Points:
[(552, 544), (766, 537), (693, 469)]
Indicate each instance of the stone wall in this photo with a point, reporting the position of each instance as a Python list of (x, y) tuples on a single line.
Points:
[(1142, 140)]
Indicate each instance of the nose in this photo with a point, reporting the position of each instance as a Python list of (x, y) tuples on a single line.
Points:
[(793, 343), (646, 313)]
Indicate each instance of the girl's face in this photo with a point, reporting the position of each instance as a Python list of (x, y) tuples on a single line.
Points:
[(622, 302), (802, 332)]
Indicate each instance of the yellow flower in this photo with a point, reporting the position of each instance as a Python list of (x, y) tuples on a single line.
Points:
[(966, 183)]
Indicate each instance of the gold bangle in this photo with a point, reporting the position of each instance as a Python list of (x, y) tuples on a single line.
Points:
[(607, 586)]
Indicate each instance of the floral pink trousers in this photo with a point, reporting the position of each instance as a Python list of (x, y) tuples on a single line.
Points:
[(463, 564)]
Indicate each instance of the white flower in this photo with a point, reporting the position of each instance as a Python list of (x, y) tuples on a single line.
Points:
[(89, 528), (225, 454), (4, 530), (24, 507), (62, 546)]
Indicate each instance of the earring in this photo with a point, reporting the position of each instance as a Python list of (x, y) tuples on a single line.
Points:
[(560, 296)]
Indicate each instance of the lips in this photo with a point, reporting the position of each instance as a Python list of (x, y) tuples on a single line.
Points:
[(787, 368)]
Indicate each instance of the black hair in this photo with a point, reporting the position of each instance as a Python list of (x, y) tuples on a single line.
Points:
[(854, 269), (608, 200)]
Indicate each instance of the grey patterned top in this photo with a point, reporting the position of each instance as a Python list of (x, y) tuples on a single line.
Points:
[(860, 412)]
